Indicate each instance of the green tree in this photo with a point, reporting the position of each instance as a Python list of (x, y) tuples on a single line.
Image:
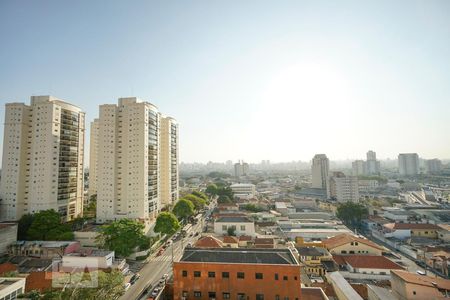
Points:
[(23, 226), (183, 209), (167, 223), (231, 231), (253, 207), (122, 236), (200, 195), (47, 226), (352, 213), (211, 189), (224, 199), (198, 202)]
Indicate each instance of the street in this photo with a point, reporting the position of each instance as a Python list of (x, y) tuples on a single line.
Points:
[(157, 266)]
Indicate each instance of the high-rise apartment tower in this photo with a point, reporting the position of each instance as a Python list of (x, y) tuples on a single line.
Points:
[(43, 158)]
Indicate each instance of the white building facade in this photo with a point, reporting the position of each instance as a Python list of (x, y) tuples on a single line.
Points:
[(343, 188), (408, 164), (43, 159)]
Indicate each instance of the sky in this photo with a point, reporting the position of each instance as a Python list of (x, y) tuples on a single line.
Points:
[(251, 80)]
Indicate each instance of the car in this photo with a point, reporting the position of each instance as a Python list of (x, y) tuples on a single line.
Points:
[(160, 252), (421, 272), (127, 286), (155, 292), (196, 234)]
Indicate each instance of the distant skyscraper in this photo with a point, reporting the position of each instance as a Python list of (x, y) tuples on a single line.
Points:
[(408, 164), (320, 169), (343, 188), (372, 164), (433, 166), (128, 161), (169, 161), (43, 158), (359, 168), (241, 169)]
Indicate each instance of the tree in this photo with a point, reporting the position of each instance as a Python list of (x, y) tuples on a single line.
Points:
[(352, 213), (231, 231), (47, 226), (224, 199), (198, 202), (23, 226), (183, 209), (211, 189), (167, 223), (200, 195), (122, 236), (253, 207)]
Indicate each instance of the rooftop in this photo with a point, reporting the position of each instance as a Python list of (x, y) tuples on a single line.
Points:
[(311, 251), (313, 293), (443, 284), (240, 256), (345, 238), (208, 242), (412, 226), (233, 219), (367, 262)]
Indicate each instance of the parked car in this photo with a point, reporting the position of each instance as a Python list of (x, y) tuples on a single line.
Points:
[(135, 278), (127, 286)]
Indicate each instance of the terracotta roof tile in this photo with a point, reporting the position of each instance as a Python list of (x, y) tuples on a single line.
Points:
[(423, 280), (230, 239), (7, 267), (345, 238), (313, 293), (209, 242), (40, 281), (367, 262)]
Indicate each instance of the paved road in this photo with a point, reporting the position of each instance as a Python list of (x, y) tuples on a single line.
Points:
[(153, 271)]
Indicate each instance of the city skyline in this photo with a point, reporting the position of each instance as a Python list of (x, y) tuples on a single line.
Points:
[(269, 81)]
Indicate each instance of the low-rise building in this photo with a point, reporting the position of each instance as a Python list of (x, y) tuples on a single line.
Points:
[(8, 235), (208, 242), (406, 230), (351, 244), (239, 274), (11, 287), (43, 249), (366, 264), (409, 286), (241, 226), (312, 258), (243, 189)]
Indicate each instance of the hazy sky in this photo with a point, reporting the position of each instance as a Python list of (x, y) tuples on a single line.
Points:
[(252, 80)]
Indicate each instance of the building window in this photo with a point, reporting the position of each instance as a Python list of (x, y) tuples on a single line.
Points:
[(277, 297), (225, 275), (212, 295), (224, 227), (258, 275), (197, 273), (276, 276), (343, 252), (285, 277), (184, 273), (242, 227), (286, 298), (414, 292), (241, 296), (197, 294), (240, 275), (211, 274), (226, 295), (185, 294), (259, 296)]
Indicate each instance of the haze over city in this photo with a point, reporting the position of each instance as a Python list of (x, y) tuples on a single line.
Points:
[(255, 80)]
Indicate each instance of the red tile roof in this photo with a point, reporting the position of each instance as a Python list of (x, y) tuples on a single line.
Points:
[(413, 278), (230, 239), (245, 238), (313, 293), (367, 262), (345, 238), (40, 281), (7, 267), (209, 242)]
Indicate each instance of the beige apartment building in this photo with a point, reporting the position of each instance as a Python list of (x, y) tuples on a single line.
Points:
[(320, 169), (43, 158), (343, 188), (135, 166), (93, 150), (169, 161)]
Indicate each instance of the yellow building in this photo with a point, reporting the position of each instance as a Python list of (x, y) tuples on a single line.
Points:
[(313, 258)]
